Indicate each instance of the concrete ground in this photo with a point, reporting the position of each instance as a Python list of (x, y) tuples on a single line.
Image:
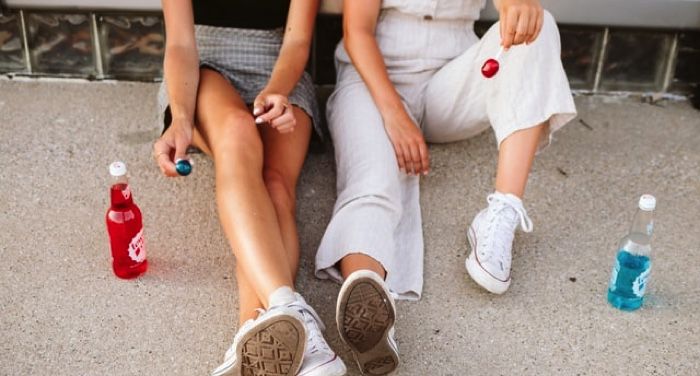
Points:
[(64, 313)]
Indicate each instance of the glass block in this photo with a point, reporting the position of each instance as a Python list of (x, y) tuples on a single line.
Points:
[(635, 60), (687, 70), (11, 46), (579, 54), (60, 43), (132, 46), (689, 40), (329, 31)]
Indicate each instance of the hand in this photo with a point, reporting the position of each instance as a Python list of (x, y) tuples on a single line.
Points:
[(274, 109), (172, 145), (409, 144), (521, 21)]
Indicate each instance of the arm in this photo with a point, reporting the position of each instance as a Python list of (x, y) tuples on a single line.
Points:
[(359, 23), (520, 21), (181, 69), (271, 104)]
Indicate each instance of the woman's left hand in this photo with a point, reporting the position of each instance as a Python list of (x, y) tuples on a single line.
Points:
[(520, 20), (275, 110)]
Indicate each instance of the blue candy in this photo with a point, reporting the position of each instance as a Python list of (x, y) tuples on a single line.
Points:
[(183, 167)]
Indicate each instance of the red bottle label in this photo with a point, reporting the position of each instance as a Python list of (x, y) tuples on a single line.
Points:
[(137, 247)]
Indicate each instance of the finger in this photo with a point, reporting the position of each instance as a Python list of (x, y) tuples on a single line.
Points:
[(521, 28), (425, 157), (411, 167), (286, 127), (399, 157), (166, 165), (258, 106), (501, 27), (286, 117), (538, 27), (162, 152), (511, 24), (278, 107), (532, 24), (416, 159), (181, 145)]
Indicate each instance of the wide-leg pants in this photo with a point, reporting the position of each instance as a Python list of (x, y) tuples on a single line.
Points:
[(435, 66)]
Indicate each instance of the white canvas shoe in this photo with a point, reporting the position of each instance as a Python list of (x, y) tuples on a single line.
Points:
[(491, 239), (365, 315), (319, 358), (272, 345)]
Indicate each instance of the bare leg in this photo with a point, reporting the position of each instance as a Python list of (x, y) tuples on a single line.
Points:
[(358, 261), (284, 158), (515, 159), (245, 208)]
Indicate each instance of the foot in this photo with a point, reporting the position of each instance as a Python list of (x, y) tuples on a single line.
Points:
[(319, 358), (491, 239), (272, 345), (365, 316)]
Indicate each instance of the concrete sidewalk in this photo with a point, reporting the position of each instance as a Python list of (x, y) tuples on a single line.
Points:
[(64, 313)]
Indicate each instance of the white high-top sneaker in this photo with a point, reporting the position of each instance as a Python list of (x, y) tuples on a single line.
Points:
[(491, 239), (271, 345), (319, 358), (365, 315)]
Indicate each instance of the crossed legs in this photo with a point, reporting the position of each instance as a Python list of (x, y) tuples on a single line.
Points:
[(256, 175)]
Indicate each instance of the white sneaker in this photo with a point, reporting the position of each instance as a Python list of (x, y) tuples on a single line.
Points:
[(271, 345), (319, 358), (365, 316), (491, 239)]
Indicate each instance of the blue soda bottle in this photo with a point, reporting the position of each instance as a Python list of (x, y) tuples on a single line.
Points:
[(633, 261)]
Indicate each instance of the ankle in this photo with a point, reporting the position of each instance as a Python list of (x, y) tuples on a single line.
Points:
[(281, 296)]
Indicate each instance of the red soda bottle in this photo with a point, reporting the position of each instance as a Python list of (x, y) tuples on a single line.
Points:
[(125, 227)]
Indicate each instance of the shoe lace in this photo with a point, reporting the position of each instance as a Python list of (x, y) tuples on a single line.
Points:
[(496, 220), (314, 326)]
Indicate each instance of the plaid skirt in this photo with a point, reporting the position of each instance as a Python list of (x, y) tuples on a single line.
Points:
[(246, 58)]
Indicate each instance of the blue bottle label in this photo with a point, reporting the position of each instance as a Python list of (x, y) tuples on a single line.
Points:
[(630, 274)]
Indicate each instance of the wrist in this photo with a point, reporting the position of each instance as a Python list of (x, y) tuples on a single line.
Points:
[(185, 121), (393, 111)]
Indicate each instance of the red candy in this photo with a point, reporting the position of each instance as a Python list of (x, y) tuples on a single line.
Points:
[(490, 68)]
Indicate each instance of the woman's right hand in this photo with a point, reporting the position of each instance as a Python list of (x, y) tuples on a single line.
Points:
[(409, 144), (172, 145)]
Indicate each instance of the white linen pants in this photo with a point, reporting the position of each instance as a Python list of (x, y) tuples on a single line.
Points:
[(435, 66)]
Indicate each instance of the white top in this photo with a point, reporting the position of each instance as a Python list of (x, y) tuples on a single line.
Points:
[(647, 202), (437, 9), (117, 169)]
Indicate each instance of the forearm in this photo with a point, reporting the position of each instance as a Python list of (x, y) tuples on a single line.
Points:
[(181, 70), (367, 59), (289, 68)]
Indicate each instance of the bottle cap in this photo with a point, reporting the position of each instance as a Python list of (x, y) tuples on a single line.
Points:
[(647, 202), (117, 169)]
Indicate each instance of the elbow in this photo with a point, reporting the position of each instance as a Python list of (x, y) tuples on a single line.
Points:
[(352, 38)]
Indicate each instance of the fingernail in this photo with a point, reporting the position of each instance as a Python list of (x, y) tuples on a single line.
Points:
[(258, 120), (257, 111)]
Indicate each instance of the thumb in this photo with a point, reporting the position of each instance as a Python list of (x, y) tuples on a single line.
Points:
[(181, 148), (259, 105)]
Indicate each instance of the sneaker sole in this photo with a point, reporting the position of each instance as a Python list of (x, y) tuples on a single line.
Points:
[(365, 317), (274, 348), (482, 277)]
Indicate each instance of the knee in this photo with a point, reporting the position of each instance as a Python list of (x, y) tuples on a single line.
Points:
[(280, 188), (237, 141), (550, 30)]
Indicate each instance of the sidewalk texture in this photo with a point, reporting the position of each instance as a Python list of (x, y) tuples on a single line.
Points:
[(64, 313)]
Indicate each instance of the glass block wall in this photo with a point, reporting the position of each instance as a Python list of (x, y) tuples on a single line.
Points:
[(130, 46)]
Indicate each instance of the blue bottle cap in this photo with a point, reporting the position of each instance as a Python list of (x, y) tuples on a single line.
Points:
[(183, 167)]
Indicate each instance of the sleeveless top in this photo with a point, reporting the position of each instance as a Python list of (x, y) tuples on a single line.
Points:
[(242, 14)]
